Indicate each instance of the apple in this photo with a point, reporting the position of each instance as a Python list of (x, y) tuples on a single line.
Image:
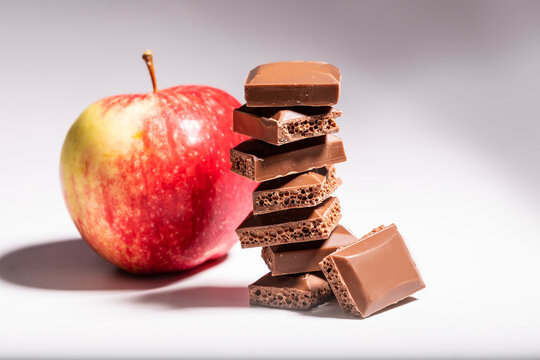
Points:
[(146, 177)]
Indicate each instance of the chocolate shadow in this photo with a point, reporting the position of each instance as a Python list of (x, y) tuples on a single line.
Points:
[(198, 297), (331, 309), (73, 265)]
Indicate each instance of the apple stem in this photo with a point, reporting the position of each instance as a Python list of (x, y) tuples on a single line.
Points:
[(149, 60)]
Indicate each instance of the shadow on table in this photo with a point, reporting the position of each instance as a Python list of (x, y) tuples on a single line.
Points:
[(331, 309), (198, 297), (225, 296), (73, 265)]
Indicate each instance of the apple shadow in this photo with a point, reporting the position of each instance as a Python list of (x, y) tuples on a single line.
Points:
[(198, 297), (331, 309), (73, 265)]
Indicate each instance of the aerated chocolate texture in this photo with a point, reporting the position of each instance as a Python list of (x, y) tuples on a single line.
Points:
[(304, 257), (300, 292), (293, 83), (260, 161), (295, 191), (372, 273), (289, 226), (279, 126)]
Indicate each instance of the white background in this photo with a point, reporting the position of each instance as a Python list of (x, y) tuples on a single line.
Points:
[(441, 127)]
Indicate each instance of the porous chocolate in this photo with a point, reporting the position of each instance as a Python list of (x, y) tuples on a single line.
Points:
[(290, 226), (260, 161), (279, 126), (300, 292), (295, 191)]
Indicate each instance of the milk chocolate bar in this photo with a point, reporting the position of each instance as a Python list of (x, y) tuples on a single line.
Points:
[(293, 83), (260, 161), (300, 292), (289, 226), (295, 191), (304, 257), (372, 273), (279, 126)]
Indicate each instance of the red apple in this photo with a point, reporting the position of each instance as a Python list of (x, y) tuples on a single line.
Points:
[(146, 177)]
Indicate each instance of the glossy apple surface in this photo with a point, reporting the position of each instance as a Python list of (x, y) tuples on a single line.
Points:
[(146, 178)]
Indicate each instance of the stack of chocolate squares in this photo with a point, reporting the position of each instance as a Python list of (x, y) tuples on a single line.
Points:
[(289, 114), (295, 219)]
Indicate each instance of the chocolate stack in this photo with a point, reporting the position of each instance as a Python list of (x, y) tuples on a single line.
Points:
[(295, 218), (289, 114)]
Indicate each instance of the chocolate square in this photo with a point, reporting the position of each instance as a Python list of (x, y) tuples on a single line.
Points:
[(279, 126), (290, 226), (295, 191), (372, 273), (304, 257), (293, 83), (299, 292), (260, 161)]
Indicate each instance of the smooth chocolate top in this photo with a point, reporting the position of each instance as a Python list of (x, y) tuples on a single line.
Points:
[(304, 257), (378, 270), (294, 73), (286, 216), (263, 150), (339, 237), (310, 178), (293, 83), (267, 162), (303, 282)]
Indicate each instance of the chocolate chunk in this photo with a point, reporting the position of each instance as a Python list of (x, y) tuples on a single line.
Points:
[(279, 126), (304, 257), (293, 83), (372, 273), (289, 226), (260, 161), (300, 292), (295, 191)]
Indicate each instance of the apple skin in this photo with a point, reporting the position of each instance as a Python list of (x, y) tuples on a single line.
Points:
[(146, 178)]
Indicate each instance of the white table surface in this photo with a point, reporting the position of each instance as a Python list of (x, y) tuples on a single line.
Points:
[(441, 130)]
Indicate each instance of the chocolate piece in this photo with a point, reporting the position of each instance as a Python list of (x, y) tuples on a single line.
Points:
[(289, 226), (260, 161), (300, 292), (304, 257), (295, 191), (283, 125), (293, 83), (372, 273)]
